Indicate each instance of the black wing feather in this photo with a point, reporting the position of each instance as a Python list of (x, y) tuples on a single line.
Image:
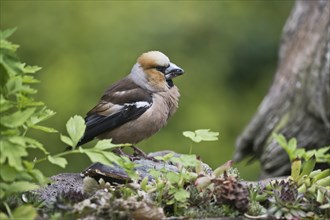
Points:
[(98, 124)]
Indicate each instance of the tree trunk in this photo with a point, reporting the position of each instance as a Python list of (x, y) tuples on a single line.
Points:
[(298, 102)]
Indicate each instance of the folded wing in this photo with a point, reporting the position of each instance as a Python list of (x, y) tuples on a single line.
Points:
[(123, 102)]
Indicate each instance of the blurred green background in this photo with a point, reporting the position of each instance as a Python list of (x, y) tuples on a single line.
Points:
[(228, 50)]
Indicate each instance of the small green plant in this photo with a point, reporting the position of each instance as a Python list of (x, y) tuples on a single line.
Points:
[(169, 187), (322, 155), (200, 135), (304, 194), (302, 167)]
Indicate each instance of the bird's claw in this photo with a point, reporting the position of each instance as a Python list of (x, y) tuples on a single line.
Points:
[(139, 154)]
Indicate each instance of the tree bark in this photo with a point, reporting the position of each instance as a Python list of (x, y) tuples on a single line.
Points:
[(298, 102)]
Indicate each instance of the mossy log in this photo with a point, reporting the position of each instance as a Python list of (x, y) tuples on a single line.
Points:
[(298, 101)]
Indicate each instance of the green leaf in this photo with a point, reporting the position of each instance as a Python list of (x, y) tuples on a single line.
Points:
[(106, 144), (13, 153), (10, 63), (42, 115), (97, 157), (2, 195), (290, 147), (186, 160), (8, 45), (27, 101), (323, 150), (308, 166), (321, 175), (14, 85), (30, 79), (59, 161), (5, 105), (320, 197), (76, 128), (19, 140), (3, 216), (30, 69), (181, 195), (26, 212), (112, 157), (324, 181), (155, 173), (295, 169), (280, 139), (10, 132), (7, 173), (38, 175), (4, 186), (27, 142), (23, 175), (323, 155), (28, 165), (19, 186), (7, 33), (207, 135), (144, 183), (292, 144), (192, 136), (301, 153), (66, 140), (166, 157), (221, 169), (98, 154), (173, 177), (201, 135), (43, 128), (28, 90), (32, 143), (17, 119)]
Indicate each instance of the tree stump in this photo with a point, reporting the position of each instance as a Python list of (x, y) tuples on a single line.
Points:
[(298, 102)]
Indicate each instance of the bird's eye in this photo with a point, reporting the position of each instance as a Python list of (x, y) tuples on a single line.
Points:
[(161, 68)]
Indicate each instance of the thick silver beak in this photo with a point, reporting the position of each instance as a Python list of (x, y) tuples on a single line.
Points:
[(173, 71)]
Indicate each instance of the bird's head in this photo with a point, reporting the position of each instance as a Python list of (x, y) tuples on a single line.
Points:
[(154, 71)]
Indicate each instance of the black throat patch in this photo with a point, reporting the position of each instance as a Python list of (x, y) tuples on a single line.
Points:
[(170, 83)]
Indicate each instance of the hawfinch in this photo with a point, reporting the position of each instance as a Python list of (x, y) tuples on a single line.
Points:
[(137, 106)]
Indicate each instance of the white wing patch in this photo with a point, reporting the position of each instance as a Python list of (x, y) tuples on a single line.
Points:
[(140, 104), (119, 93)]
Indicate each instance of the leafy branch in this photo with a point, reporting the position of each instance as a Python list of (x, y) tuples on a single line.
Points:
[(20, 112)]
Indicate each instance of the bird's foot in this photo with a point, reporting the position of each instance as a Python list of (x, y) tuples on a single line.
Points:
[(119, 151), (138, 154)]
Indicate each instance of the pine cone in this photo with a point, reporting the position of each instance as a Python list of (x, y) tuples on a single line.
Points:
[(228, 190)]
